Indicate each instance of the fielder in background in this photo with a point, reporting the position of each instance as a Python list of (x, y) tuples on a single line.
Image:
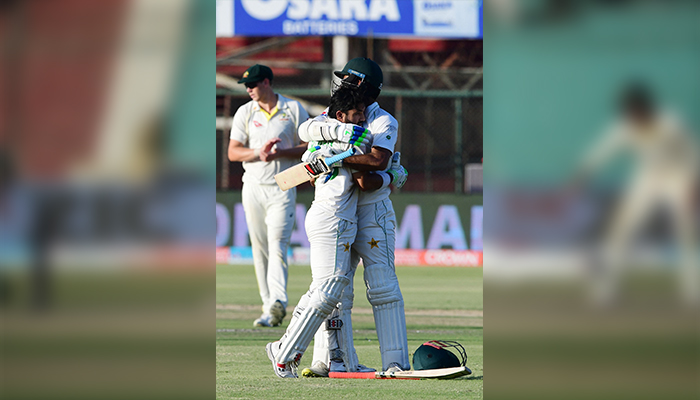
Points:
[(376, 221), (264, 138), (331, 229), (665, 178)]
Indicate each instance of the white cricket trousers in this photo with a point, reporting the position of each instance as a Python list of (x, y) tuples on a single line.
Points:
[(671, 192), (330, 240), (269, 214)]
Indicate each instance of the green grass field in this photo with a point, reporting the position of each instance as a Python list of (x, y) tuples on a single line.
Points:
[(441, 304)]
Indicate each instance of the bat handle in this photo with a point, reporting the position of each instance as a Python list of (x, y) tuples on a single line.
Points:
[(341, 156)]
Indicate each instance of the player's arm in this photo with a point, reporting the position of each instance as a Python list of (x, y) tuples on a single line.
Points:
[(322, 129), (383, 144), (376, 160), (237, 148), (396, 175), (600, 153), (367, 180), (292, 152), (237, 151)]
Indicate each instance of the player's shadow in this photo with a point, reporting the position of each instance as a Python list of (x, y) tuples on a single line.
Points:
[(472, 378)]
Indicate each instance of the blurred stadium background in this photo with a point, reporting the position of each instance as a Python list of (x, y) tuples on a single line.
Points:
[(555, 71), (106, 272)]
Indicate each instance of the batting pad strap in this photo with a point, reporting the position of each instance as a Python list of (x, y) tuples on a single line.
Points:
[(334, 324)]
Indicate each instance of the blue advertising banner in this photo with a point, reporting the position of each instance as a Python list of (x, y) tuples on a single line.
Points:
[(382, 18)]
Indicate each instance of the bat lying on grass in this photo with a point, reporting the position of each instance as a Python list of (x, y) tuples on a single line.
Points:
[(303, 172), (442, 373)]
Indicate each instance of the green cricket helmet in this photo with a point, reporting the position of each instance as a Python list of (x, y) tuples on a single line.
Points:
[(364, 73), (434, 355)]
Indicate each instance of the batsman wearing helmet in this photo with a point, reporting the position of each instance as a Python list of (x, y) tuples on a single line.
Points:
[(331, 228), (376, 222)]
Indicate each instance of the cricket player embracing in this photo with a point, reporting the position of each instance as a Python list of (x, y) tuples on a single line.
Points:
[(376, 223), (331, 228)]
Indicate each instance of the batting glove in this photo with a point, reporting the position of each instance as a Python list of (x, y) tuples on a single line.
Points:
[(352, 134), (398, 173), (315, 156)]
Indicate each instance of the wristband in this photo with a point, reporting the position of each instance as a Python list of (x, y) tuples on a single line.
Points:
[(256, 153), (386, 178)]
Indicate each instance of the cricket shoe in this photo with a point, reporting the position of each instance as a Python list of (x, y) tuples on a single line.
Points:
[(288, 370), (394, 367), (339, 366), (278, 313), (318, 370), (265, 320)]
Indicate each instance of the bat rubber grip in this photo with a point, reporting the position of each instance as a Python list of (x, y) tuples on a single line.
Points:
[(341, 156), (353, 375)]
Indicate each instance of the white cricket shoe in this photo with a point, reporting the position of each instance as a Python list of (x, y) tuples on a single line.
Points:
[(318, 370), (264, 320), (287, 370), (339, 366), (394, 367), (278, 313)]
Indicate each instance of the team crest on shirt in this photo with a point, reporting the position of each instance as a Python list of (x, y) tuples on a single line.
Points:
[(284, 117), (257, 124)]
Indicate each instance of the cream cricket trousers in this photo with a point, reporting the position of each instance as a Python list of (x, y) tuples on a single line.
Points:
[(646, 193), (269, 214)]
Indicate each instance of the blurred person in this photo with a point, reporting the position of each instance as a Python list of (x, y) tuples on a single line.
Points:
[(264, 138), (664, 177), (376, 223)]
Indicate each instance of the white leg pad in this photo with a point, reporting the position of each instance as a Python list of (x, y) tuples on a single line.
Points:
[(321, 346), (301, 330), (346, 340), (327, 342), (385, 297), (390, 321)]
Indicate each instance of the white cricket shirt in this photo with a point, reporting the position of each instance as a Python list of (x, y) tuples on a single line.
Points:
[(339, 195), (663, 150), (252, 126), (384, 128)]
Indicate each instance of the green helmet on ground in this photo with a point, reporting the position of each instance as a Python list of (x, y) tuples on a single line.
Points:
[(434, 355)]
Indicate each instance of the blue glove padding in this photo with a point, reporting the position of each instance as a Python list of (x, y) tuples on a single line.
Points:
[(359, 135), (352, 134)]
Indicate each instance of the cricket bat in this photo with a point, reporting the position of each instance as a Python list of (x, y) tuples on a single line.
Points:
[(442, 373), (303, 172)]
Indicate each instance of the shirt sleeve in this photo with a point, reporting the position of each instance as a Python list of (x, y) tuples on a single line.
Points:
[(386, 134), (239, 131), (611, 143), (302, 116)]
